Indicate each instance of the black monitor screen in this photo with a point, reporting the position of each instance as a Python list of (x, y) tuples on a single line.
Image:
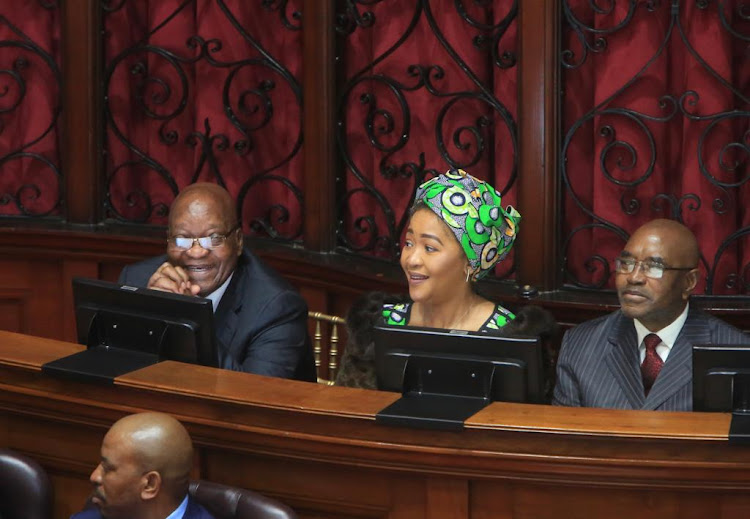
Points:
[(507, 369), (170, 326), (721, 377)]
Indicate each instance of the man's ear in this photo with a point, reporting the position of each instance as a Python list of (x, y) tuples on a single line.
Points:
[(150, 485), (239, 241), (691, 281)]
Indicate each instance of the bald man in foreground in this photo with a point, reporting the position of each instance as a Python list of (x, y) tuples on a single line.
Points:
[(640, 357), (144, 471), (260, 320)]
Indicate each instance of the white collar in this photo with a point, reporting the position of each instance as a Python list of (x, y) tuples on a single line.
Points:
[(668, 334), (215, 296)]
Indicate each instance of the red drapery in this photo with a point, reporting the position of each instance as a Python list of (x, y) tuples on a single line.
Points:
[(30, 91), (205, 91), (423, 92), (655, 115), (660, 104)]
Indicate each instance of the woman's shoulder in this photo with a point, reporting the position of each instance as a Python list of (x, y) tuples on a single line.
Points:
[(500, 318), (528, 320), (370, 308), (396, 314)]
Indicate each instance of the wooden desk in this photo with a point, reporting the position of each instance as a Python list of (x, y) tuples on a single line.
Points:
[(319, 449)]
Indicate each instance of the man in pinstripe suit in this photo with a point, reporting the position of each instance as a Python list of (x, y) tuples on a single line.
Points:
[(640, 357)]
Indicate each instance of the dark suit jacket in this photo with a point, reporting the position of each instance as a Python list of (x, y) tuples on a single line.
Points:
[(599, 363), (193, 511), (261, 321)]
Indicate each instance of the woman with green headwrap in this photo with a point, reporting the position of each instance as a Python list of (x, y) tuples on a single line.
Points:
[(457, 233)]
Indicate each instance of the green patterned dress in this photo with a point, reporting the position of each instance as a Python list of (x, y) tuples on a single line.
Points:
[(398, 315)]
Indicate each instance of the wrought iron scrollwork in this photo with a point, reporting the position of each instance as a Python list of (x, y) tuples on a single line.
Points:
[(164, 94), (350, 17), (376, 107), (628, 164), (291, 20), (595, 265), (31, 178)]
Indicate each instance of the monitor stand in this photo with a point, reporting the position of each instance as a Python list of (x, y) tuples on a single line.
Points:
[(99, 364), (118, 343), (440, 393)]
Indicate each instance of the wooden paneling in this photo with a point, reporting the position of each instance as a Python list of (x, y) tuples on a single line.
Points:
[(13, 308), (319, 449)]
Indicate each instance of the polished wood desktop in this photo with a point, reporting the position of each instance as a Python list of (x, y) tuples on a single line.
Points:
[(319, 449)]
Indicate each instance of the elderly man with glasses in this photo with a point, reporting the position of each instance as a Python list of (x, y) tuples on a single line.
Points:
[(261, 321), (640, 357)]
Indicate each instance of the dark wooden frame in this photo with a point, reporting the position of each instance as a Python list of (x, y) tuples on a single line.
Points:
[(82, 128)]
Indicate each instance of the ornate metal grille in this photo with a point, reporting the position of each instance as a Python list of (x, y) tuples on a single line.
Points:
[(426, 86), (656, 107), (204, 91), (30, 105)]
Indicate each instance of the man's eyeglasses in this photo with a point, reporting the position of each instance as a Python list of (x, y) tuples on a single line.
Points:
[(649, 268), (214, 241)]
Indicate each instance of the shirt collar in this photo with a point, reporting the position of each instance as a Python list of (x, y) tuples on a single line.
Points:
[(179, 512), (668, 334), (215, 296)]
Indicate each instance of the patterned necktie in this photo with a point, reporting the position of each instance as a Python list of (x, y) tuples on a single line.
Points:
[(652, 363)]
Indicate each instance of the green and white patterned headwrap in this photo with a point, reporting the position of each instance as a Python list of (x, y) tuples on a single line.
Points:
[(473, 212)]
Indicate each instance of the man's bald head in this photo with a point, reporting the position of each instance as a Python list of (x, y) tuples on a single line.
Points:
[(160, 443), (201, 193), (679, 240), (144, 469)]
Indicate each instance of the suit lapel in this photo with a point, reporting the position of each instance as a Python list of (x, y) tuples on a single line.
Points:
[(623, 362), (225, 318), (677, 370)]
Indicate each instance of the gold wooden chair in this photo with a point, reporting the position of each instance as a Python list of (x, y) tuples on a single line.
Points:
[(326, 344)]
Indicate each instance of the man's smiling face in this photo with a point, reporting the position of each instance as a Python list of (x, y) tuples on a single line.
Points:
[(199, 214)]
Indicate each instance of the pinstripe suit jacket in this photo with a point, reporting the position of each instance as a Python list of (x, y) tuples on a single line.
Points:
[(599, 364)]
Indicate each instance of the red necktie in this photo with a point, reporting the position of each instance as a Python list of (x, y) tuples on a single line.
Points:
[(652, 363)]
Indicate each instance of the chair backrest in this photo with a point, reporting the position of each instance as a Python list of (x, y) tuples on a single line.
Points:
[(326, 345), (226, 502), (25, 488)]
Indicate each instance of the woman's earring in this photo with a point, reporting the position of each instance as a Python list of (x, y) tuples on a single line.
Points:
[(468, 273)]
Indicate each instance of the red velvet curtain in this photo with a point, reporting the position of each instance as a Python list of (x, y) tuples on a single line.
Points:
[(426, 86), (205, 90), (655, 115), (30, 93), (656, 125)]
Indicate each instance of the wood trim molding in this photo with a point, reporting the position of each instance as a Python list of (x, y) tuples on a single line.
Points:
[(320, 106), (81, 116), (537, 249)]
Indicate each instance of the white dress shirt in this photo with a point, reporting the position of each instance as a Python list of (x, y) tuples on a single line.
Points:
[(668, 335), (215, 296)]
